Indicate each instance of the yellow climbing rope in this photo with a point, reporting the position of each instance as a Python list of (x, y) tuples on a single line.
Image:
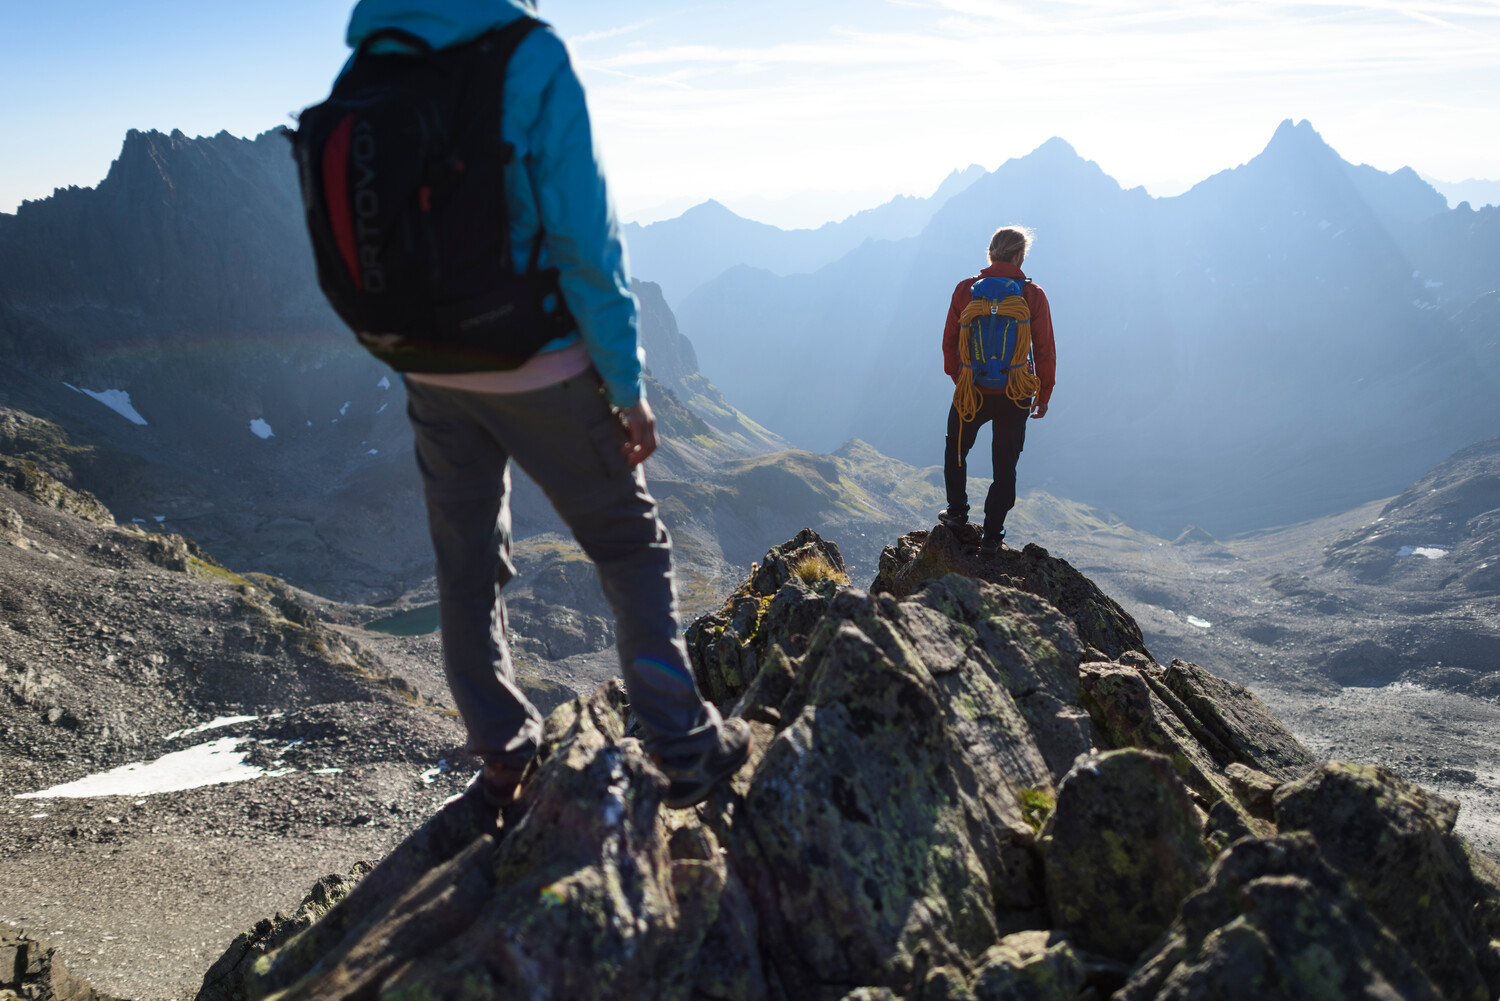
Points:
[(1021, 385)]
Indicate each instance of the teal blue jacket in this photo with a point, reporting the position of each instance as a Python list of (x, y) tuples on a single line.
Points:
[(556, 179)]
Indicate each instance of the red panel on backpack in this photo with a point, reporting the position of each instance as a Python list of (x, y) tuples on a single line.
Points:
[(336, 195)]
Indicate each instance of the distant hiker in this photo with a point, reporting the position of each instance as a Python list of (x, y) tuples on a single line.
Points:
[(998, 349), (470, 241)]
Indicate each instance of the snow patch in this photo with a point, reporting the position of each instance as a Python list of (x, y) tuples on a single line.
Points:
[(213, 763), (373, 451), (382, 408), (345, 408), (384, 383), (115, 399), (261, 429), (1431, 552), (213, 724), (1193, 620)]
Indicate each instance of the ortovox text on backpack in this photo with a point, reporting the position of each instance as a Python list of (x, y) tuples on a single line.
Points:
[(402, 172)]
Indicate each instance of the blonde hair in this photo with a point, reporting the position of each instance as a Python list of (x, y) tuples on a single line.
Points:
[(1009, 241)]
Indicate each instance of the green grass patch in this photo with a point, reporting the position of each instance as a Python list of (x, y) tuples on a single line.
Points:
[(1036, 806), (417, 621), (213, 572)]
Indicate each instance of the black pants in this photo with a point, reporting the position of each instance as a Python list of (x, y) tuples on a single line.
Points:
[(1008, 422)]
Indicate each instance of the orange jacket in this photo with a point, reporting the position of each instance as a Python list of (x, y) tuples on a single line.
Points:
[(1043, 348)]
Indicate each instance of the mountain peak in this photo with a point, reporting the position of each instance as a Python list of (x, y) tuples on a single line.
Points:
[(1056, 147), (1299, 136), (713, 212), (958, 181)]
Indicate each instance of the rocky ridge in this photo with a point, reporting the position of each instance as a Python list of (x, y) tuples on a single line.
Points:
[(965, 790)]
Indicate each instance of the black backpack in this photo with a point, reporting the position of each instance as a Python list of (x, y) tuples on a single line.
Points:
[(402, 174)]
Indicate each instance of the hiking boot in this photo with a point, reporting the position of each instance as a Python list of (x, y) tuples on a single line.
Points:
[(693, 777), (991, 544), (953, 520), (498, 786)]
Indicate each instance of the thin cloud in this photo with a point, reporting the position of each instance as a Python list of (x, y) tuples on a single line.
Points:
[(1171, 90), (607, 33)]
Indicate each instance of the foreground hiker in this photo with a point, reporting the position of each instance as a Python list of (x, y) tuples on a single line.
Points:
[(463, 229), (998, 349)]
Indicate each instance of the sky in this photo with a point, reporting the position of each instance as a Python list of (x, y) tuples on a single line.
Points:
[(801, 112)]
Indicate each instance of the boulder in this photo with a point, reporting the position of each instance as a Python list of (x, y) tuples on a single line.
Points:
[(12, 527), (1123, 848), (31, 968), (1030, 966), (1395, 844), (1276, 921)]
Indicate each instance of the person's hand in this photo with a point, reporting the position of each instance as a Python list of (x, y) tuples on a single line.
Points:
[(1039, 411), (640, 432)]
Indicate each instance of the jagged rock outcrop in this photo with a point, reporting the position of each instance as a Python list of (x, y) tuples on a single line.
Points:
[(918, 557), (785, 598), (949, 797), (32, 969), (199, 234)]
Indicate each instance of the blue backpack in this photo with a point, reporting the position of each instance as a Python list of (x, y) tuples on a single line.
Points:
[(992, 339)]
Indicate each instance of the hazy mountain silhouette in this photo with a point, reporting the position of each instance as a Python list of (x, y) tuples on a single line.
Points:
[(1276, 343), (1477, 191), (681, 254)]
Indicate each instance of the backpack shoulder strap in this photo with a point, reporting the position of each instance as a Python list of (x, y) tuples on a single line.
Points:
[(483, 102), (482, 110)]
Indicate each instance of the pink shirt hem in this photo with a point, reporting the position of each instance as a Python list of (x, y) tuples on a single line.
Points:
[(537, 372)]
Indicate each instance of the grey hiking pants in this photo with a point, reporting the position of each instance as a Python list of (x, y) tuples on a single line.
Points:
[(566, 439)]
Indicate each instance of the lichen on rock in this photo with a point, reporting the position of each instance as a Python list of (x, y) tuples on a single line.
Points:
[(1123, 848)]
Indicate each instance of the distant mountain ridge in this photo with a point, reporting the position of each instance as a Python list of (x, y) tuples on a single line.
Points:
[(682, 253), (1281, 341), (1477, 191), (170, 319)]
